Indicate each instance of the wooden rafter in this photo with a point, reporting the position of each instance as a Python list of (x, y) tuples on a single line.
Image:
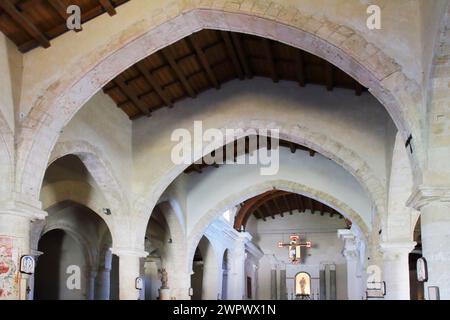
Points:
[(131, 95), (358, 88), (270, 60), (232, 54), (24, 23), (174, 65), (287, 204), (154, 84), (193, 41), (241, 54), (277, 206), (59, 7), (106, 4)]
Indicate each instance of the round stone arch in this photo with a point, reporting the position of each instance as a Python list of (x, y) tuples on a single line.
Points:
[(99, 168), (318, 142), (338, 44), (284, 185)]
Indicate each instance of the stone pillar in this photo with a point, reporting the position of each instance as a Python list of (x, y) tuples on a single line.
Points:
[(322, 283), (396, 269), (15, 230), (91, 277), (273, 284), (129, 270), (434, 206), (236, 290), (103, 284), (283, 291), (332, 282), (352, 256)]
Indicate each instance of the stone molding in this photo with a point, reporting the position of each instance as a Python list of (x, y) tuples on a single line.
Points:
[(425, 195)]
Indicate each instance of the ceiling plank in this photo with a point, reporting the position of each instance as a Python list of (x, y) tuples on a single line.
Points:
[(300, 68), (24, 23), (131, 96), (169, 57), (154, 83), (106, 4), (241, 54), (59, 7), (193, 41), (270, 60), (232, 54)]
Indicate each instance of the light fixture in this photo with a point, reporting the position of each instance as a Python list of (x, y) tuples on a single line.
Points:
[(107, 211)]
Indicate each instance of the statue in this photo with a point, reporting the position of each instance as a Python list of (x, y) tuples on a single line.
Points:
[(164, 279)]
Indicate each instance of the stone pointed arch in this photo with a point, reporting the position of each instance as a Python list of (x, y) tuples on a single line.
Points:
[(284, 185), (321, 143), (99, 168), (338, 44)]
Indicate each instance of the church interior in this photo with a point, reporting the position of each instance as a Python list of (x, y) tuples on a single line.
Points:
[(343, 105)]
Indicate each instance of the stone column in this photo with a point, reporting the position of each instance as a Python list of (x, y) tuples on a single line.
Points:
[(273, 284), (283, 291), (236, 276), (396, 269), (15, 230), (91, 277), (434, 206), (103, 282), (351, 254), (129, 270)]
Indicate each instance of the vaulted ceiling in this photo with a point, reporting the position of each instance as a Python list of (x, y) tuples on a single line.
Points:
[(33, 23), (276, 202), (209, 58)]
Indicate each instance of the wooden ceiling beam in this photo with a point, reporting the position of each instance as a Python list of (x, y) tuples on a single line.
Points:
[(293, 147), (106, 4), (310, 204), (260, 215), (270, 60), (287, 204), (300, 68), (24, 23), (329, 76), (321, 208), (169, 57), (232, 54), (266, 207), (236, 38), (59, 7), (131, 95), (193, 41), (298, 200), (154, 83), (278, 207)]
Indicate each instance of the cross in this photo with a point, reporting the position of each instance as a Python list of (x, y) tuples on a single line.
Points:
[(294, 248)]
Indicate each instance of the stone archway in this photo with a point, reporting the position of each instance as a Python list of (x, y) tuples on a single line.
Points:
[(337, 44), (323, 144), (200, 227), (98, 167)]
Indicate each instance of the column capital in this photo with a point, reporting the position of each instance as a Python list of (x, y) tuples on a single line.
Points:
[(22, 209), (129, 251), (424, 195), (390, 248)]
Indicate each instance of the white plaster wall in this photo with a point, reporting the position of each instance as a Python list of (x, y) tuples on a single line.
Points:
[(208, 189), (108, 129), (327, 248), (338, 114)]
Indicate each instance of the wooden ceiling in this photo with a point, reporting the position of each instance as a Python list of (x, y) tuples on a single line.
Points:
[(199, 167), (277, 202), (208, 59), (33, 23)]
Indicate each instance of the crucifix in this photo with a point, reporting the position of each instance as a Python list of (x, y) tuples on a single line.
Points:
[(294, 246)]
